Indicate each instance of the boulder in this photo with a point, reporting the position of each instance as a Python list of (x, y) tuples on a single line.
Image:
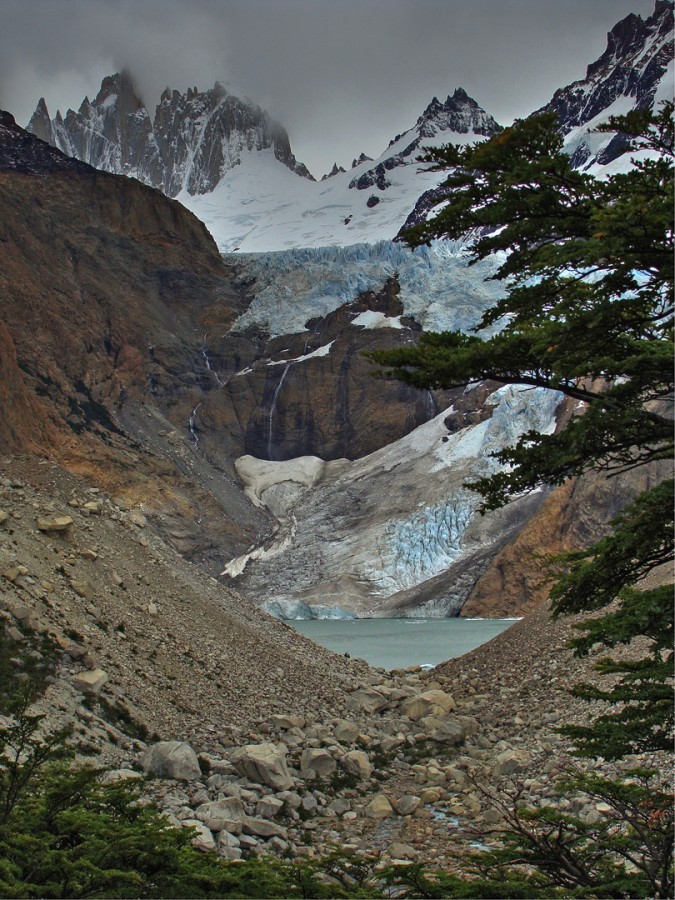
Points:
[(137, 518), (268, 807), (509, 762), (379, 808), (172, 759), (346, 732), (225, 839), (397, 850), (356, 763), (291, 799), (91, 681), (429, 703), (340, 805), (406, 806), (448, 732), (366, 699), (263, 764), (54, 523), (221, 815), (117, 775), (203, 839), (285, 723), (318, 761), (263, 828)]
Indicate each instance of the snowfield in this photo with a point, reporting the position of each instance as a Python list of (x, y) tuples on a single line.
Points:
[(261, 205)]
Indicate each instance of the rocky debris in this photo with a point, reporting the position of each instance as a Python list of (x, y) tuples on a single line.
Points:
[(380, 762), (117, 598)]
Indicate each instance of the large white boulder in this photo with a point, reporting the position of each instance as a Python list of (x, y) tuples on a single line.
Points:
[(172, 759), (263, 764)]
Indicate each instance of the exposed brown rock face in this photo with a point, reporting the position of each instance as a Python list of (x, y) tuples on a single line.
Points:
[(573, 517), (275, 404), (115, 330), (106, 286)]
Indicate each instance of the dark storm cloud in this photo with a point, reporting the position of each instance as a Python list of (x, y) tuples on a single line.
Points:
[(342, 75)]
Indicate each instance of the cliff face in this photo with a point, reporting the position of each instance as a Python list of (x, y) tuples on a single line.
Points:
[(118, 358), (573, 517), (105, 285)]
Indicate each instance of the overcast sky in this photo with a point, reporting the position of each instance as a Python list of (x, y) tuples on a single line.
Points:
[(343, 76)]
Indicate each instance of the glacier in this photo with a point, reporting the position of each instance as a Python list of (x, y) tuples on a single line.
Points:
[(438, 289)]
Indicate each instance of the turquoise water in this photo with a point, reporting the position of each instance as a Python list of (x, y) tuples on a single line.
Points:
[(397, 643)]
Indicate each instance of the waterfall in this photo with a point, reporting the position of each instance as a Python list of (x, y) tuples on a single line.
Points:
[(191, 425), (205, 354), (272, 408)]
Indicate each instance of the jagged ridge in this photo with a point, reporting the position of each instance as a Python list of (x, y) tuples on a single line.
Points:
[(193, 140), (630, 74)]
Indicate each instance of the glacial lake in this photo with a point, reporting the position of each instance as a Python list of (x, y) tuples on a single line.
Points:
[(397, 643)]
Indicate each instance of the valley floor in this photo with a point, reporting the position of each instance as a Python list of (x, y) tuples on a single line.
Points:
[(148, 649)]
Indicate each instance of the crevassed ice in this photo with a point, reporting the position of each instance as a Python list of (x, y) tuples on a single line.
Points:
[(427, 542), (437, 287)]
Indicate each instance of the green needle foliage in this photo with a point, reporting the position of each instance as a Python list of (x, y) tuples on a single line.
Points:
[(588, 310)]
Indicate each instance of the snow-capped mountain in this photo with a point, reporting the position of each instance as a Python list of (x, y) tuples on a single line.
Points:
[(258, 207), (225, 159), (635, 72), (220, 156), (193, 140)]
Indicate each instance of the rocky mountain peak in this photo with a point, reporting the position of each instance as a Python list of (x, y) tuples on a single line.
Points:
[(192, 141), (460, 113), (630, 35), (361, 158), (631, 73), (40, 124)]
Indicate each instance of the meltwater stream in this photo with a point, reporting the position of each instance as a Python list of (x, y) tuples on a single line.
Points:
[(397, 643)]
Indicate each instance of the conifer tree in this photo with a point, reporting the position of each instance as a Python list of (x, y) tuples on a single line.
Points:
[(587, 265)]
